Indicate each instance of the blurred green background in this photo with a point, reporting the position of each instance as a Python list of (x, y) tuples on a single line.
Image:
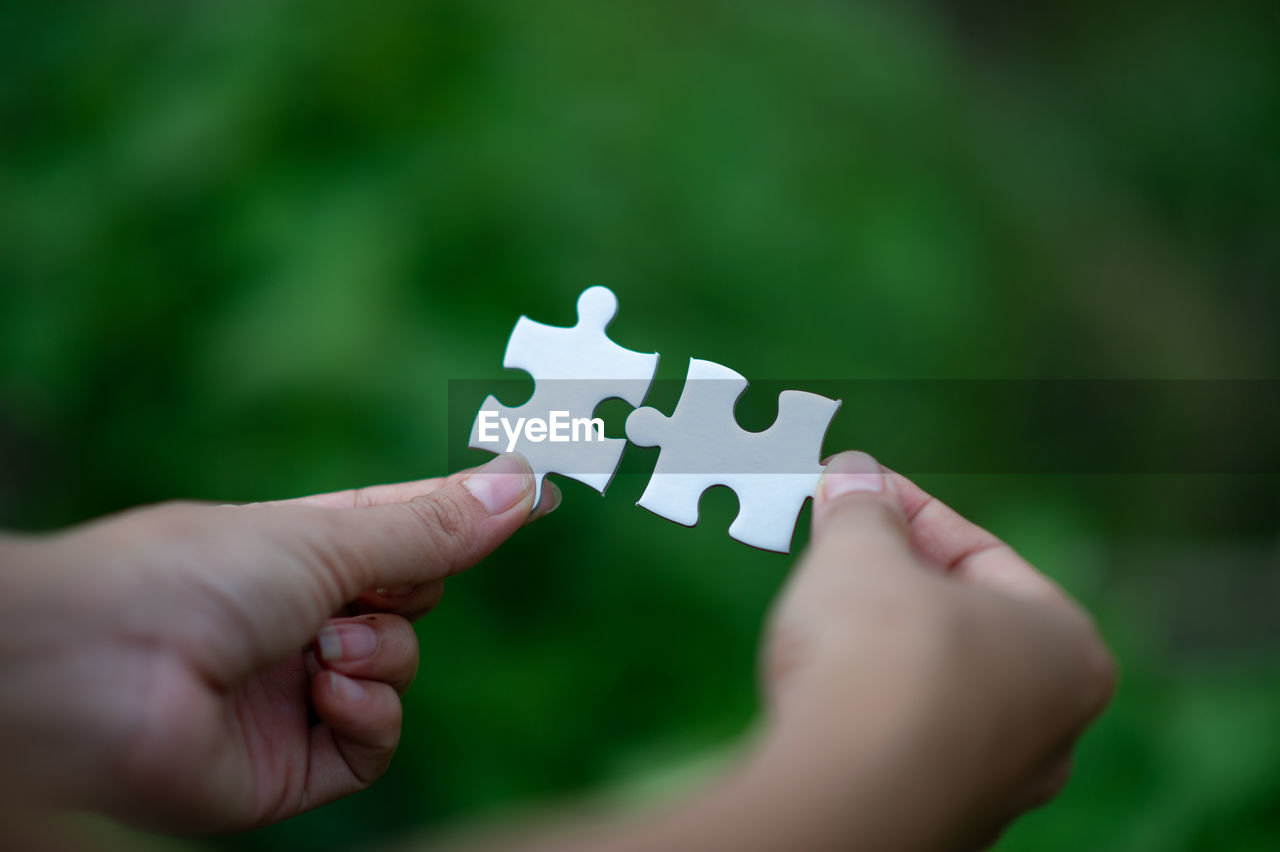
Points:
[(244, 246)]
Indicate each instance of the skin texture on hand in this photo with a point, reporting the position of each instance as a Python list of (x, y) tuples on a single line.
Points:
[(205, 668), (926, 684)]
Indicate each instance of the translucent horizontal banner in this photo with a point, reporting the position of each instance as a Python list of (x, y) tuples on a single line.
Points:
[(920, 426)]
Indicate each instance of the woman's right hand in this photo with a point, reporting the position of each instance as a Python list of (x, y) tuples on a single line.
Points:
[(926, 684)]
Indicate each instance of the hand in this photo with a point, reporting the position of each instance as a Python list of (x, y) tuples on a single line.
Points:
[(203, 668), (927, 684)]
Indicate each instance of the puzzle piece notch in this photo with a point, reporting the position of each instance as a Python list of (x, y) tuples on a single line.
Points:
[(574, 369), (772, 472)]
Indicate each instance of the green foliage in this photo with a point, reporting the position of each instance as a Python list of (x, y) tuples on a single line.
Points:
[(245, 245)]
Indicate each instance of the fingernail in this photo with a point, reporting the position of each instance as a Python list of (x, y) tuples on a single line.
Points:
[(501, 483), (345, 688), (850, 472), (346, 642), (551, 497), (394, 591)]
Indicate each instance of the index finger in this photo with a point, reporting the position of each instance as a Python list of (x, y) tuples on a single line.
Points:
[(962, 548)]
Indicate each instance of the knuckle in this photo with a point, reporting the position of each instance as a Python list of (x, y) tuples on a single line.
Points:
[(431, 595), (413, 654), (448, 523), (1097, 667), (1101, 675), (391, 738), (1093, 672), (409, 669), (376, 765), (1051, 785)]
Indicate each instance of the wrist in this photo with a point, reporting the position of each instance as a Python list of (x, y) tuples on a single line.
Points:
[(866, 771), (55, 681)]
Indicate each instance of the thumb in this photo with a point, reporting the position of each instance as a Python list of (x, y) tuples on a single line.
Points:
[(858, 517), (428, 537), (268, 575)]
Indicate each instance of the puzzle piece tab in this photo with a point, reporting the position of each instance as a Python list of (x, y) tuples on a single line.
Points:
[(574, 370), (772, 472)]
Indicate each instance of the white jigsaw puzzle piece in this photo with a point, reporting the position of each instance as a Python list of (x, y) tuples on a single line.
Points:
[(574, 370), (773, 472)]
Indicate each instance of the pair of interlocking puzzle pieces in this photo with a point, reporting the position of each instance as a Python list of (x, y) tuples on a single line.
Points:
[(575, 369)]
